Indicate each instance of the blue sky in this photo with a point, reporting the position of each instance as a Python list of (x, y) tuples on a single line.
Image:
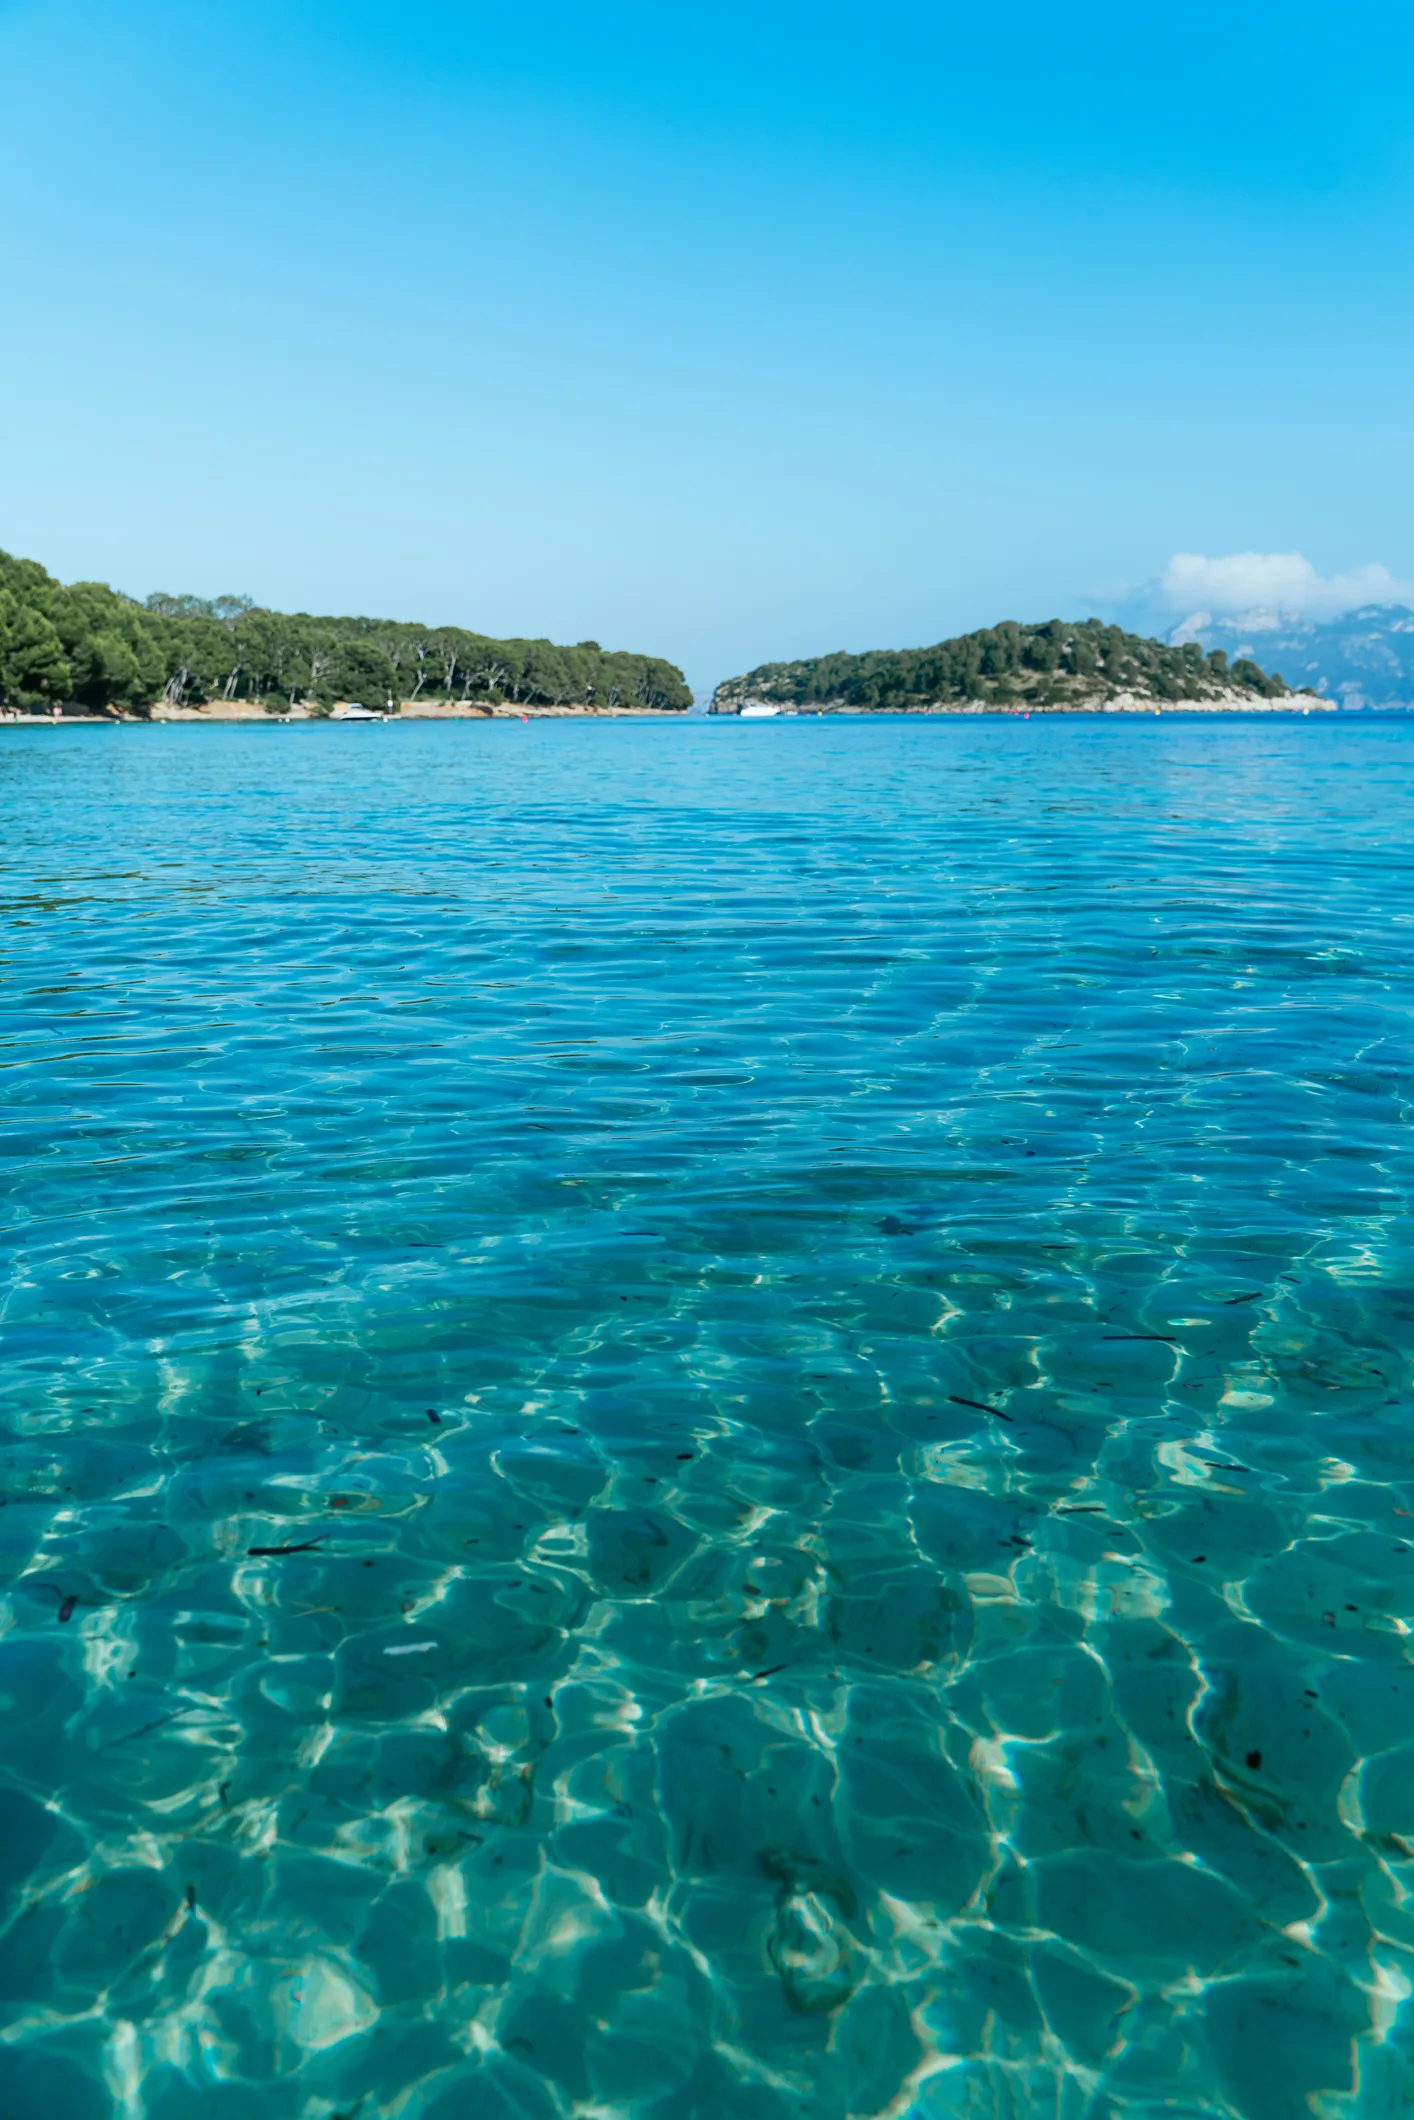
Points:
[(729, 332)]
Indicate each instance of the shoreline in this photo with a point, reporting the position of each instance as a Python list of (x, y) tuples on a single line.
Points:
[(414, 710), (228, 713), (1122, 703), (241, 713)]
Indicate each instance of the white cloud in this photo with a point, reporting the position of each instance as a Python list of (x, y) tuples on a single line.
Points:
[(1269, 585)]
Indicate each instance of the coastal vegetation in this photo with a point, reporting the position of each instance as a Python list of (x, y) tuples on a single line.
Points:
[(1055, 666), (85, 645)]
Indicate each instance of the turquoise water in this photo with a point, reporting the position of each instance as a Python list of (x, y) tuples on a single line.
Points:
[(707, 1421)]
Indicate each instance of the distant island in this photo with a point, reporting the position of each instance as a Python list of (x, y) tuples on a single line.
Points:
[(87, 649), (1055, 668)]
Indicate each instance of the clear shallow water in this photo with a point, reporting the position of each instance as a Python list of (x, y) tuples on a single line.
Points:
[(713, 1710)]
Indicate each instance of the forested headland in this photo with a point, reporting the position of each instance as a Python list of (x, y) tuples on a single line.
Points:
[(1053, 667), (83, 645)]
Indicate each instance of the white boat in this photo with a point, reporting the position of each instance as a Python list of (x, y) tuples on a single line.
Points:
[(352, 710), (757, 710)]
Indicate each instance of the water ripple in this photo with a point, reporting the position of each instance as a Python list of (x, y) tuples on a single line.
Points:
[(707, 1421)]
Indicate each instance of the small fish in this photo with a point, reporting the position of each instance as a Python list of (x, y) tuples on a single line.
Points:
[(434, 1417), (408, 1648), (978, 1407), (1255, 1297), (191, 1898), (1167, 1338), (66, 1610), (265, 1552), (769, 1672)]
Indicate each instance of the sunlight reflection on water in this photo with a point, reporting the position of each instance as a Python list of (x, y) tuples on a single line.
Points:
[(707, 1420)]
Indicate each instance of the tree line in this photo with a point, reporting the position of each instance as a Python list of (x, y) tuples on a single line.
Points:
[(1053, 665), (85, 645)]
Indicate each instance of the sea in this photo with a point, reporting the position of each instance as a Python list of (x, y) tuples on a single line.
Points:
[(708, 1421)]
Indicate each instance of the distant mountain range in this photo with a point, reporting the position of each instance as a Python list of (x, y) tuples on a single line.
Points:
[(1365, 659)]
